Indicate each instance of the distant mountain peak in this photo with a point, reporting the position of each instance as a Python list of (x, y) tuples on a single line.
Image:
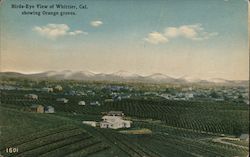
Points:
[(120, 76), (190, 78), (217, 80), (87, 72), (159, 76), (123, 73)]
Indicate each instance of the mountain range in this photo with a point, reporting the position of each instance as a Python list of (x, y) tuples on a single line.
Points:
[(121, 76)]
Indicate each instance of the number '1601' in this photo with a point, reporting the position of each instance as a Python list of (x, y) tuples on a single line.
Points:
[(11, 150)]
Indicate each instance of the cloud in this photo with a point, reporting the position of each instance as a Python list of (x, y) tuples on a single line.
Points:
[(96, 23), (191, 32), (77, 32), (156, 38), (54, 31)]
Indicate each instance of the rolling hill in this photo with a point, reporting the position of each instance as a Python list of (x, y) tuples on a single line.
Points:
[(121, 76)]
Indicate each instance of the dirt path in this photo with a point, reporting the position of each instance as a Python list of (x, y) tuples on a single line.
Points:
[(219, 140)]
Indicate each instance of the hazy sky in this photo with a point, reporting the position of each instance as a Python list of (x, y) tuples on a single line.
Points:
[(204, 39)]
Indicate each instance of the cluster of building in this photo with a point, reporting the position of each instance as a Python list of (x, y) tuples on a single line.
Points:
[(236, 94), (31, 96), (44, 89), (42, 109), (179, 96), (119, 96), (117, 88), (63, 100), (50, 89), (112, 120), (119, 92)]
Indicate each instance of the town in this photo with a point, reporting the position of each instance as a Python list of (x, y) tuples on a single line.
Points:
[(118, 92)]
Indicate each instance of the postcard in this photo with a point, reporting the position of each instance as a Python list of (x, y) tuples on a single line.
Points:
[(116, 78)]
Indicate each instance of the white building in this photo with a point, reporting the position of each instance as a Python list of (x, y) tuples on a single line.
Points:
[(246, 102), (82, 103), (108, 100), (95, 103), (63, 100), (91, 123), (115, 113), (114, 122), (166, 96), (46, 89), (189, 95), (31, 96), (7, 87), (49, 109), (58, 88), (244, 137)]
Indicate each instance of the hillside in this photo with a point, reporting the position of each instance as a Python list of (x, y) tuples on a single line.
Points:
[(121, 76)]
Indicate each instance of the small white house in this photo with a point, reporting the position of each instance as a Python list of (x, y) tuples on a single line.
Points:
[(82, 103), (114, 122), (58, 88), (109, 100), (91, 123), (95, 103), (62, 100), (246, 102), (49, 109), (115, 113), (189, 95), (31, 96), (244, 137), (46, 89)]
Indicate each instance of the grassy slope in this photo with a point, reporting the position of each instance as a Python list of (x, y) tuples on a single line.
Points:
[(34, 133)]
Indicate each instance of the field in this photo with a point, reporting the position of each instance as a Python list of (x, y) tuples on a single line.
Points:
[(174, 128), (48, 136)]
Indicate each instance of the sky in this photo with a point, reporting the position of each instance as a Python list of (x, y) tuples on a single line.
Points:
[(190, 38)]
